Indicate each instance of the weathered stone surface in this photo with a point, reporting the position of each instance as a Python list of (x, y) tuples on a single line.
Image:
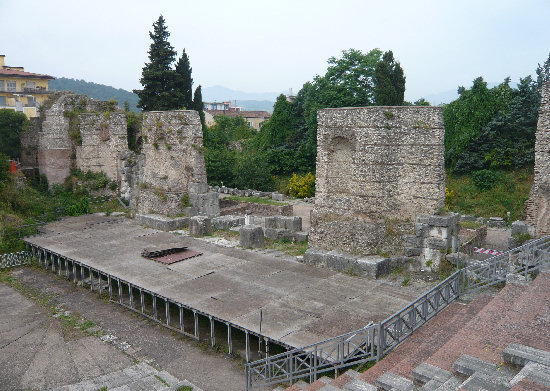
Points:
[(300, 236), (227, 222), (374, 266), (377, 168), (277, 196), (104, 141), (537, 210), (174, 165), (251, 236), (519, 228), (424, 372), (520, 355), (200, 225), (162, 223)]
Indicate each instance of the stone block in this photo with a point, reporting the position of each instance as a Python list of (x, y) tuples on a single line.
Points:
[(534, 372), (358, 385), (467, 218), (496, 222), (190, 211), (390, 381), (314, 256), (486, 382), (519, 228), (374, 266), (198, 187), (468, 365), (432, 385), (424, 372), (444, 221), (437, 243), (277, 196), (300, 236), (271, 222), (412, 240), (277, 234), (293, 223), (520, 355), (413, 251), (160, 222), (200, 225), (251, 236)]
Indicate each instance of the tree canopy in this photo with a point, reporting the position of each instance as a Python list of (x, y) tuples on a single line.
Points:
[(12, 123), (389, 82)]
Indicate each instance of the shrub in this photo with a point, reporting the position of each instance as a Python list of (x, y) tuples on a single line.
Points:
[(485, 179), (301, 186)]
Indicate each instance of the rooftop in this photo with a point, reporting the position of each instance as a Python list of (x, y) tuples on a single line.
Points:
[(242, 113), (23, 74)]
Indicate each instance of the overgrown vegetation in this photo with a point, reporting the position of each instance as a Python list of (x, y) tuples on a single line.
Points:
[(256, 200), (486, 196), (12, 124), (301, 186)]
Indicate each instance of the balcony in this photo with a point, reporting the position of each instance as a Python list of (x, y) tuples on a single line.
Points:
[(35, 90)]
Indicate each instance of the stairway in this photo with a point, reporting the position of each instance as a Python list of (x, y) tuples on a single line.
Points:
[(496, 343), (137, 377)]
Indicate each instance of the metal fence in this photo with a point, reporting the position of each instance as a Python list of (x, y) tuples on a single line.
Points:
[(15, 259), (374, 341)]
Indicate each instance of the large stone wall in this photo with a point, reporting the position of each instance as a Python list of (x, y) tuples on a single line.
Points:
[(538, 205), (174, 170), (104, 140), (377, 169)]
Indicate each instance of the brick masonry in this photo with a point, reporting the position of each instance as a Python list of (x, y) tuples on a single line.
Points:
[(538, 205), (377, 169)]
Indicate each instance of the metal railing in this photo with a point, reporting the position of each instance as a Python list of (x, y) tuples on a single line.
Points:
[(15, 259), (374, 341)]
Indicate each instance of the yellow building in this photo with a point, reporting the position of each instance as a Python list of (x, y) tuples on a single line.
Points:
[(22, 91)]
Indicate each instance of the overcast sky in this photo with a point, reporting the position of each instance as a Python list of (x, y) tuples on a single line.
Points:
[(264, 46)]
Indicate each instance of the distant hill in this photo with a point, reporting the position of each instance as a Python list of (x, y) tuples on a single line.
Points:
[(248, 101), (95, 91)]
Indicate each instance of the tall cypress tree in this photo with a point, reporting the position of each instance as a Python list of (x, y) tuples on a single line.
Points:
[(184, 82), (198, 104), (158, 78), (389, 81)]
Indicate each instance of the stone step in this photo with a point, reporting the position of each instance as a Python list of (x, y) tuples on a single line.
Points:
[(534, 372), (483, 381), (424, 372), (521, 355), (390, 381), (453, 384), (468, 365)]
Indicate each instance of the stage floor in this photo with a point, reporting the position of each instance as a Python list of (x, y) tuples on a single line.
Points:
[(300, 304)]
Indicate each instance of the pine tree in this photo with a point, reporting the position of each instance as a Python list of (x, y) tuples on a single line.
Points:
[(198, 104), (389, 81), (184, 82), (158, 78)]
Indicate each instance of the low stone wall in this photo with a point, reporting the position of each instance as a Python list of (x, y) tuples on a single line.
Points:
[(230, 207)]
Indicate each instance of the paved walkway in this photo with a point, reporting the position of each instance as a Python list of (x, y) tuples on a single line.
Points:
[(301, 304), (29, 363)]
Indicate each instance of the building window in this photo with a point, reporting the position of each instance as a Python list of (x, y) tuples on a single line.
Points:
[(12, 87), (2, 101), (2, 86), (30, 85), (31, 101)]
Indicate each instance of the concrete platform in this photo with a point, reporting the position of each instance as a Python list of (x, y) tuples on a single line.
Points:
[(301, 304)]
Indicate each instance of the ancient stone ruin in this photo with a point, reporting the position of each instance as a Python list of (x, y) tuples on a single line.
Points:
[(167, 176), (174, 174), (378, 168), (538, 205)]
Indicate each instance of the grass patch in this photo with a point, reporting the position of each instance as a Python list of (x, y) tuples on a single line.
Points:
[(160, 379), (226, 234), (184, 388), (108, 207), (104, 388), (287, 246), (508, 194), (255, 200), (470, 224)]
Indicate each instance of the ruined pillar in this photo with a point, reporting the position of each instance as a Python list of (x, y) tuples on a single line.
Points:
[(377, 169), (174, 175), (538, 205)]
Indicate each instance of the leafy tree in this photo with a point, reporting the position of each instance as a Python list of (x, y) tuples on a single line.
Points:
[(198, 104), (389, 82), (421, 102), (158, 78), (12, 123), (184, 82)]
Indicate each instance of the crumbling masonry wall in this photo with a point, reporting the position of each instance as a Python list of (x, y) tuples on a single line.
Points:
[(104, 140), (377, 169), (538, 205), (174, 174)]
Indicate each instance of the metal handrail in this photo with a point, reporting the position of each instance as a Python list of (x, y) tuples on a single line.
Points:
[(317, 358)]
